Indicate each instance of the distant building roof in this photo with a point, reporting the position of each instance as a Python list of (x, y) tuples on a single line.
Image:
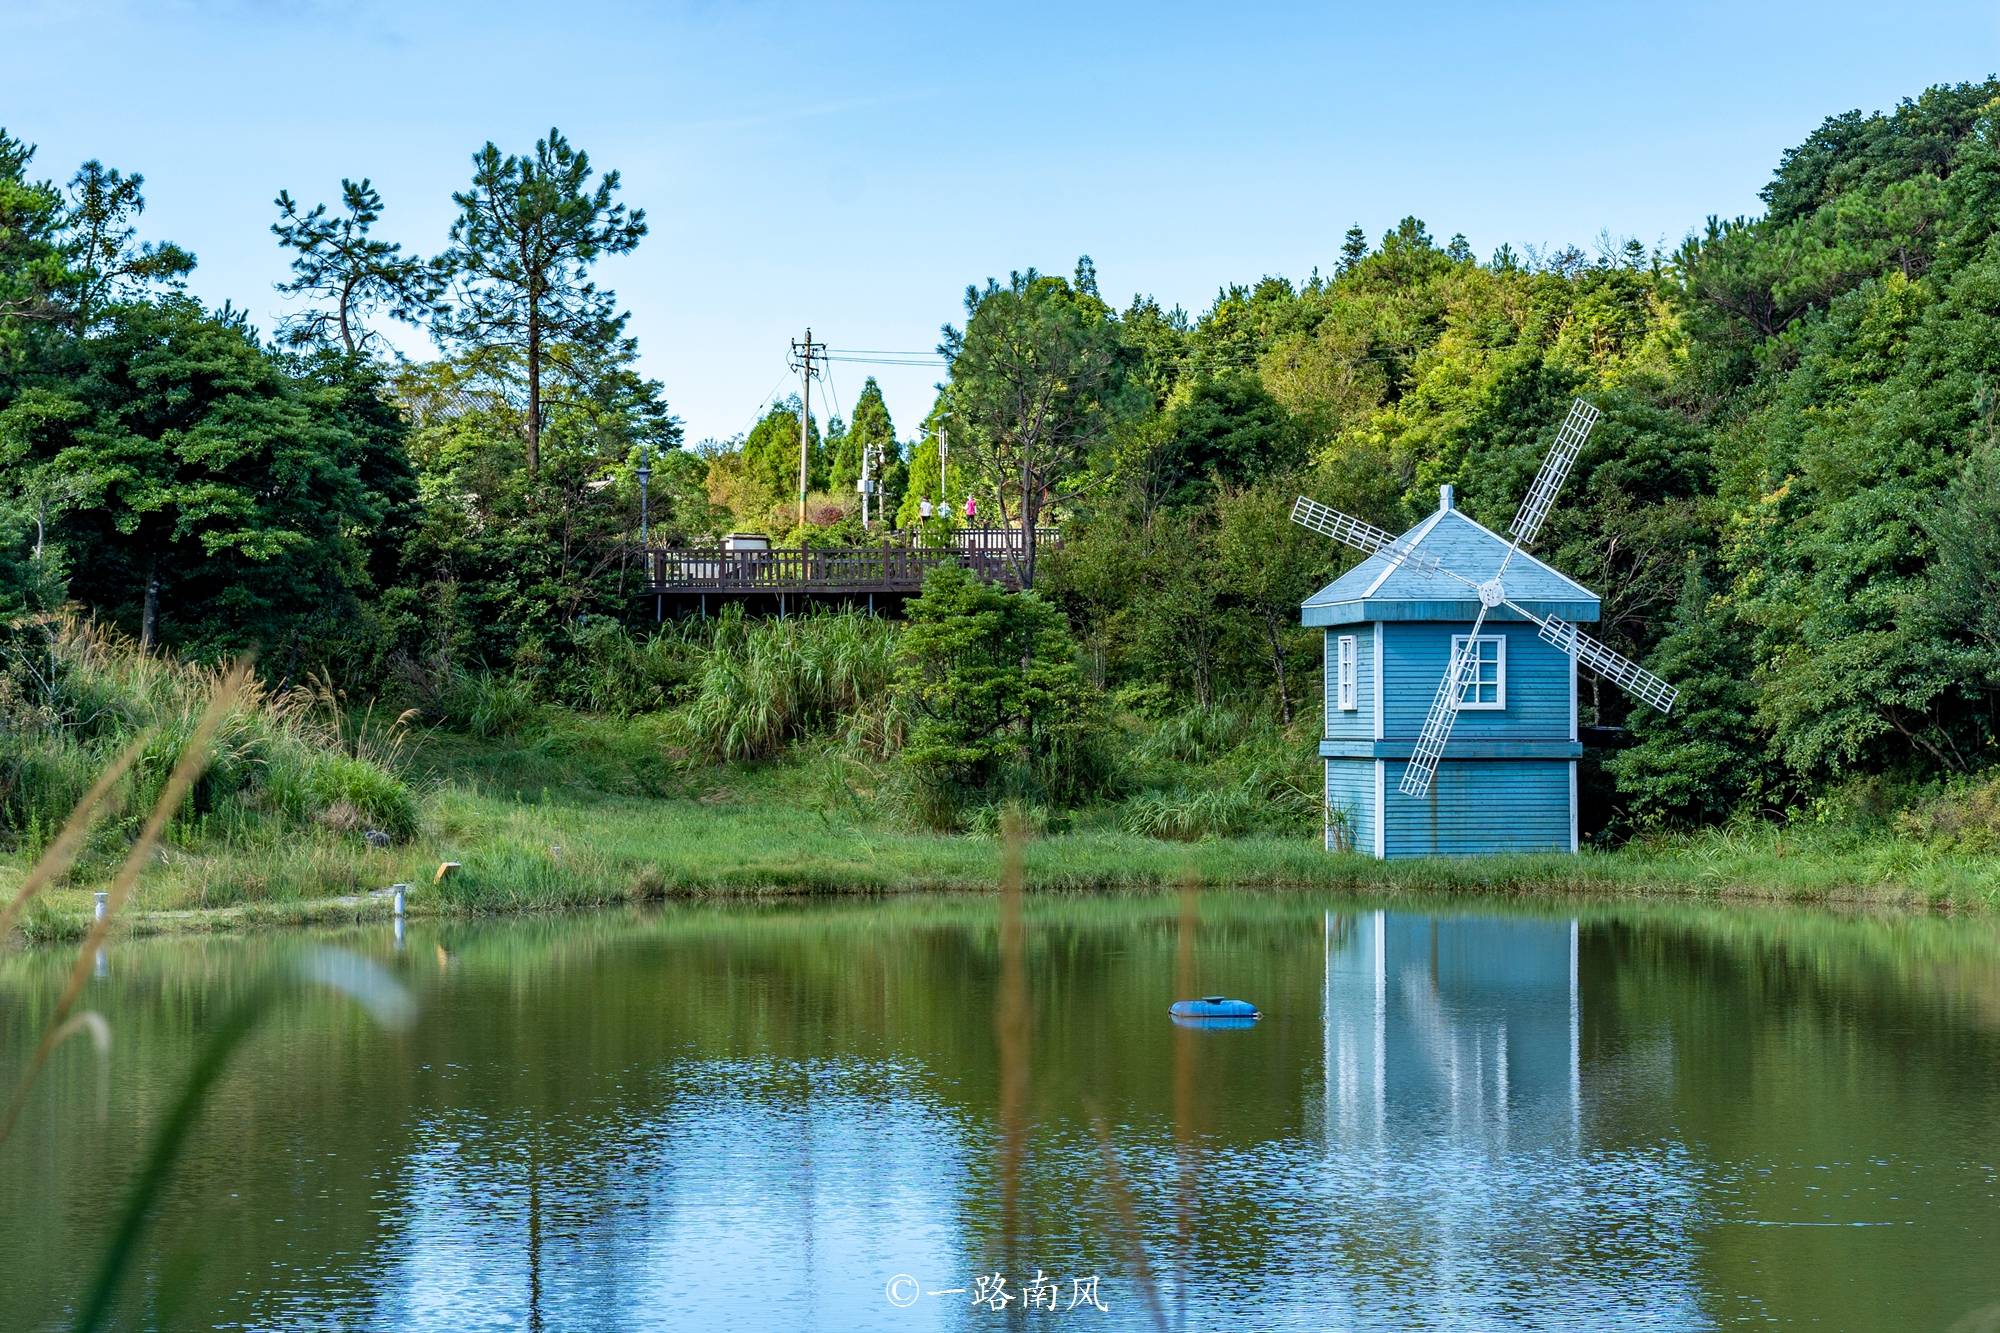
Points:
[(1376, 589)]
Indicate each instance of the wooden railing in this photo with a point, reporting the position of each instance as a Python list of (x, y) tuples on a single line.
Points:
[(898, 565), (833, 569), (1005, 541)]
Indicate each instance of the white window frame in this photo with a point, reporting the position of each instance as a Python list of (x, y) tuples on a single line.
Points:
[(1499, 642), (1347, 674)]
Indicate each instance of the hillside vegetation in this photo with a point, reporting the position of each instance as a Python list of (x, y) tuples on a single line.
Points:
[(1791, 509)]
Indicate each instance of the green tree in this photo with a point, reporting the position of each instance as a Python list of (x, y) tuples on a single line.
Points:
[(997, 705), (221, 501), (31, 263), (104, 259), (1039, 379), (351, 273), (522, 300), (771, 457), (1697, 764), (1269, 565), (1220, 430), (869, 430), (1353, 249)]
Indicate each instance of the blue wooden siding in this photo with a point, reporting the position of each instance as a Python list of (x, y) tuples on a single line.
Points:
[(1350, 790), (1359, 724), (1481, 805), (1414, 658)]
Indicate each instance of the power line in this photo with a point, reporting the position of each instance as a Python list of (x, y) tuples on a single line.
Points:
[(770, 395), (879, 351)]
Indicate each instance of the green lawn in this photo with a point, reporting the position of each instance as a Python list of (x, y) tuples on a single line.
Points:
[(598, 814)]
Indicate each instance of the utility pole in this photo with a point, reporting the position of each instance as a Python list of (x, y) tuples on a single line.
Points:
[(807, 358), (867, 449)]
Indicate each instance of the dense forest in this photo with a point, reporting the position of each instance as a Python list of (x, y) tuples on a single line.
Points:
[(1788, 508)]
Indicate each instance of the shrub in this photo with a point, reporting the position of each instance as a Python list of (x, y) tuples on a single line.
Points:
[(997, 707), (489, 706), (613, 672), (1964, 816), (336, 782), (1221, 771)]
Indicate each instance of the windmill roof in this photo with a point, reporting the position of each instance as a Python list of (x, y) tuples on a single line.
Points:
[(1376, 589)]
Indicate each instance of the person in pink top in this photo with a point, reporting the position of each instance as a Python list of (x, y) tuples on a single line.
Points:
[(971, 507)]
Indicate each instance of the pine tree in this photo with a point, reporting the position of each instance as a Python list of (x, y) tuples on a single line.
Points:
[(338, 262), (1353, 249), (527, 233), (870, 430)]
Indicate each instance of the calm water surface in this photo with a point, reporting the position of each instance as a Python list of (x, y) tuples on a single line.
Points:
[(758, 1117)]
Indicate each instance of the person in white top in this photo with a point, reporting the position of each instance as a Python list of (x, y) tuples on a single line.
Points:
[(924, 508)]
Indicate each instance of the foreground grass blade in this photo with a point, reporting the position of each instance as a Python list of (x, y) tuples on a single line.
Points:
[(357, 978), (194, 757), (1010, 1029), (53, 861), (1129, 1239)]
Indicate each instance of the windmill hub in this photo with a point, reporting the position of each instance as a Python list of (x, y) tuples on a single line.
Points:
[(1491, 594)]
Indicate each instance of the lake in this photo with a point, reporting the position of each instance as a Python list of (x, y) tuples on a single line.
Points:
[(776, 1116)]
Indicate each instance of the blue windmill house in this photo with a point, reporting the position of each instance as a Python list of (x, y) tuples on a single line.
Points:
[(1451, 668)]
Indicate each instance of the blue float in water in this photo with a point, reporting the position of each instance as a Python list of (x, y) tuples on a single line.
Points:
[(1214, 1011)]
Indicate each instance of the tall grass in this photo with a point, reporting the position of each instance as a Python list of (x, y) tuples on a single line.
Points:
[(764, 684), (1220, 772), (75, 697)]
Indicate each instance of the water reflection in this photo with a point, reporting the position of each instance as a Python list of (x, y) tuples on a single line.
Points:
[(1463, 1027), (1454, 1112), (754, 1117)]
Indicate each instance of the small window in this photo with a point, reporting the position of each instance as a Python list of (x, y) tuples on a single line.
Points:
[(1344, 679), (1487, 687)]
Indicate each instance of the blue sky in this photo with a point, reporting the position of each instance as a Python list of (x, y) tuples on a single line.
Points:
[(853, 168)]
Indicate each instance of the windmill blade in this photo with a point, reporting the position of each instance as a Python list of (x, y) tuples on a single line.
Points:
[(1615, 667), (1555, 470), (1366, 537), (1417, 774), (1341, 527)]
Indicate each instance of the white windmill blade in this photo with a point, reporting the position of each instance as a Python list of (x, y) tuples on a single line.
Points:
[(1366, 537), (1341, 527), (1541, 496), (1417, 774), (1615, 667)]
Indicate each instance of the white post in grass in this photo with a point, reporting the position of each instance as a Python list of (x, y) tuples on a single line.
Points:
[(102, 905)]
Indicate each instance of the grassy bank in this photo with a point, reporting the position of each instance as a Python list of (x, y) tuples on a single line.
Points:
[(594, 812), (757, 759)]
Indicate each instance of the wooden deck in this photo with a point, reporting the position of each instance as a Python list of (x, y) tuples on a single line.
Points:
[(893, 569)]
